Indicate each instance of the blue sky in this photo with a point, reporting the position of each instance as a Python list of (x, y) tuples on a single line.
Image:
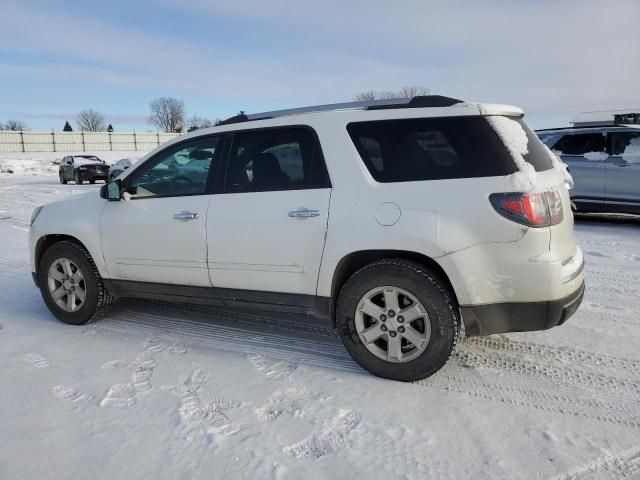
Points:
[(553, 58)]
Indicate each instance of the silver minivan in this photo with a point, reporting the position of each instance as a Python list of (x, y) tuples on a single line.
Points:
[(605, 165)]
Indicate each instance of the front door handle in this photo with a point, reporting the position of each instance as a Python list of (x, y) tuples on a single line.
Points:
[(304, 213), (186, 216)]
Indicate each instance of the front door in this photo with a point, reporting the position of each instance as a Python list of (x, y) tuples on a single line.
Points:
[(157, 233), (267, 231), (585, 154)]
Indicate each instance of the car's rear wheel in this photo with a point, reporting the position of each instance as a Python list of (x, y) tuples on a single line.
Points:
[(77, 178), (397, 319), (71, 285), (62, 179)]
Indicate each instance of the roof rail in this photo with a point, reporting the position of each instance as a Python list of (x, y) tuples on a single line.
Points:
[(422, 101)]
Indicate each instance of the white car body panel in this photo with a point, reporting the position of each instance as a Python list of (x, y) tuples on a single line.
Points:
[(255, 245), (143, 242), (76, 216)]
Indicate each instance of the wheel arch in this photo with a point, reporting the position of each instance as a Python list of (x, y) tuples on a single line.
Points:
[(46, 241), (354, 261)]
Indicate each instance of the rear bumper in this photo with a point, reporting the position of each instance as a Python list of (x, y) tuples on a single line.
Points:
[(521, 316)]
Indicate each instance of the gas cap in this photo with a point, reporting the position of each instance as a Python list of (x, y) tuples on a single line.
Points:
[(388, 214)]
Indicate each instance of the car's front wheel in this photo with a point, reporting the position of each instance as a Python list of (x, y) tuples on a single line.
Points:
[(70, 284), (397, 319), (77, 178)]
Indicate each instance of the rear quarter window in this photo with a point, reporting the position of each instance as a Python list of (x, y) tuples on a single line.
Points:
[(538, 156), (430, 149)]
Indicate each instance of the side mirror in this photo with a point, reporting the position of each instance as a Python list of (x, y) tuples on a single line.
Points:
[(111, 191)]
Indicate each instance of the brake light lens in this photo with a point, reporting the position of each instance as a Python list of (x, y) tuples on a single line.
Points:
[(531, 209), (554, 202)]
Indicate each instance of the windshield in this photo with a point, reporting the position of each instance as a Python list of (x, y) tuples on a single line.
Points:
[(86, 159)]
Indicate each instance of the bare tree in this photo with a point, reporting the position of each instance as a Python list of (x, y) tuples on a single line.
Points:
[(406, 92), (13, 125), (366, 96), (167, 114), (90, 121), (196, 123)]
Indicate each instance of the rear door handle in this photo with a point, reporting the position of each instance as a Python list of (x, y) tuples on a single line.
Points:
[(304, 213), (186, 216)]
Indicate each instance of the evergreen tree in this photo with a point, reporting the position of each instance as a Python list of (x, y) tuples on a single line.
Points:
[(67, 127)]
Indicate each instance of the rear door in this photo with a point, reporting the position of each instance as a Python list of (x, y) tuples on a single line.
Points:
[(623, 170), (266, 232), (586, 155)]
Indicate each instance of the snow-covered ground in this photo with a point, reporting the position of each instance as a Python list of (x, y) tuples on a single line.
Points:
[(157, 391)]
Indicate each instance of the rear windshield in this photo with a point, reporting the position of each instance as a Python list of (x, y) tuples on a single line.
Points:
[(431, 149), (538, 155)]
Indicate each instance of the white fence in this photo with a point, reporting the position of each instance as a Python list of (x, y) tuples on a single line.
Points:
[(31, 141)]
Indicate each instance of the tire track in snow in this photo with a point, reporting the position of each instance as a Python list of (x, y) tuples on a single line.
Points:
[(194, 329), (625, 465), (538, 397), (563, 354), (605, 314), (613, 287), (557, 380)]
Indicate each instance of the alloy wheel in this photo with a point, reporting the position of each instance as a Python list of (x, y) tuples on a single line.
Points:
[(66, 285), (392, 324)]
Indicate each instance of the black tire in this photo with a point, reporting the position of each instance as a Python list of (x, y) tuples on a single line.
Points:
[(97, 300), (62, 179), (429, 289), (92, 181), (77, 178)]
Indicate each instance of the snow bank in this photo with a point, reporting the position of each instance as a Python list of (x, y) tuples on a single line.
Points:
[(515, 139), (27, 167), (46, 163)]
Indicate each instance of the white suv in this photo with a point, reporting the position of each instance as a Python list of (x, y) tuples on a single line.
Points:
[(395, 222)]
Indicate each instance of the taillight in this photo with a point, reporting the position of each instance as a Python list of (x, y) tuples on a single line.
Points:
[(554, 202), (531, 209)]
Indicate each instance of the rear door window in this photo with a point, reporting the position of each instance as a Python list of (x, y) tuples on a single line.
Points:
[(430, 149), (626, 144), (275, 159), (581, 144)]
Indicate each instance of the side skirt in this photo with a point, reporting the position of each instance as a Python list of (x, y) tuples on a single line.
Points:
[(306, 309)]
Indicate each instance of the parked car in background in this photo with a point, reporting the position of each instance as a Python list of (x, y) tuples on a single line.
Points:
[(605, 164), (81, 168), (119, 167), (393, 222)]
